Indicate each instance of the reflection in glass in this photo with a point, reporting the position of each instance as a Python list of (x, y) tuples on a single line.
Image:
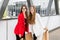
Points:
[(13, 8)]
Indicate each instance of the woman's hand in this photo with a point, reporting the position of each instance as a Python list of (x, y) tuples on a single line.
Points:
[(46, 29), (20, 35)]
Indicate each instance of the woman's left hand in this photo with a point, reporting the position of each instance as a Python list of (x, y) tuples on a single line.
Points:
[(46, 29)]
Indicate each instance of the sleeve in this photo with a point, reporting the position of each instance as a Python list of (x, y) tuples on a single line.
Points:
[(20, 24), (40, 21), (30, 28)]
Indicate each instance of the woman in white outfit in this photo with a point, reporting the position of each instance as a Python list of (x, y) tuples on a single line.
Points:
[(35, 26)]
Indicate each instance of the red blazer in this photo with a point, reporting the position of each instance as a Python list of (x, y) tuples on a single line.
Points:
[(20, 27)]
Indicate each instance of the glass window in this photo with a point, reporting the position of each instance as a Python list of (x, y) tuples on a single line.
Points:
[(53, 11), (41, 3), (13, 8), (47, 7), (41, 9)]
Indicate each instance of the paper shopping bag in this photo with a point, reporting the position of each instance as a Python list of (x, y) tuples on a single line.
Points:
[(46, 35), (28, 36)]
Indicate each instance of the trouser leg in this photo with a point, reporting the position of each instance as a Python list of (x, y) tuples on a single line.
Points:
[(34, 37)]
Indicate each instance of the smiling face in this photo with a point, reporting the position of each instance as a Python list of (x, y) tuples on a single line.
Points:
[(24, 9), (31, 9)]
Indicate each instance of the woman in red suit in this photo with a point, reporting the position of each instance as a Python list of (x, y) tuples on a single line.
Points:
[(22, 24)]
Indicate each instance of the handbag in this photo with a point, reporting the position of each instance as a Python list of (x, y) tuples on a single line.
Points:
[(21, 39), (28, 36)]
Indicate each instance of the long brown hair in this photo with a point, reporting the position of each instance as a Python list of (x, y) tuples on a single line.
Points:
[(32, 17), (26, 13)]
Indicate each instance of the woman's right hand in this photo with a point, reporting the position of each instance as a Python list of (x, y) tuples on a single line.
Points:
[(20, 35)]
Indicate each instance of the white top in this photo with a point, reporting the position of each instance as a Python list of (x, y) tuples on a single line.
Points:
[(37, 28)]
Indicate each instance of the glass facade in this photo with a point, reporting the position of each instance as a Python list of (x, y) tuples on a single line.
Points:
[(47, 7), (13, 8), (43, 7)]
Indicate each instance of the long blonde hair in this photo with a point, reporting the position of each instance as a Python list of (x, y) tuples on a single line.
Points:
[(32, 17)]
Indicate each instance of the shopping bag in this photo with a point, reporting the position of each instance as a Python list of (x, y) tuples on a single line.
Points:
[(28, 36), (46, 35), (21, 39)]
